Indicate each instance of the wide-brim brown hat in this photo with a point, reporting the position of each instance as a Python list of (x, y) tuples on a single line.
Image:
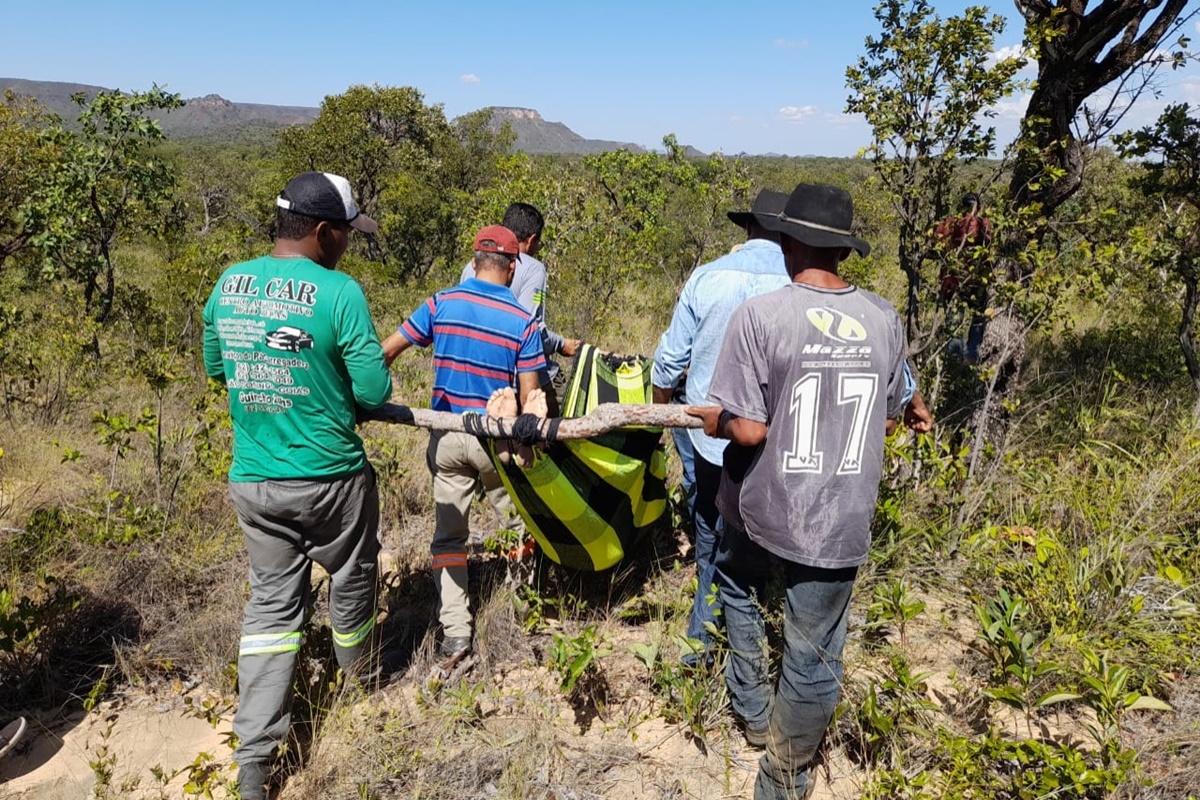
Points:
[(818, 216), (767, 202)]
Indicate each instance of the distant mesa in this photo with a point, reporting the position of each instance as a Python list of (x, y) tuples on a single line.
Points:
[(536, 135), (214, 117)]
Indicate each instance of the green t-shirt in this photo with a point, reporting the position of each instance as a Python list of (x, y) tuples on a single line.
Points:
[(295, 345)]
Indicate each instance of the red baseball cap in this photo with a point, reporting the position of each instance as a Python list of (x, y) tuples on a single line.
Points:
[(497, 239)]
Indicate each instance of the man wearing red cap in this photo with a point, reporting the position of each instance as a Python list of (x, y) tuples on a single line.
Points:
[(483, 340)]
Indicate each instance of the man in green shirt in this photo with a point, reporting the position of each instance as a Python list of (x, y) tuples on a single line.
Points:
[(293, 341)]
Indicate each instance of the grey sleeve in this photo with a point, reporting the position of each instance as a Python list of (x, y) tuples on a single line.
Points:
[(468, 272), (530, 290), (526, 282), (899, 378), (739, 381)]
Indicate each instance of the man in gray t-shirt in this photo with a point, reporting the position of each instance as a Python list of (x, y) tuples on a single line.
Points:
[(809, 381)]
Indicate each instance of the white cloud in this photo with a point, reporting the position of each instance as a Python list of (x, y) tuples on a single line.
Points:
[(842, 119), (797, 113), (791, 42), (469, 77), (1009, 51), (1012, 107), (736, 118)]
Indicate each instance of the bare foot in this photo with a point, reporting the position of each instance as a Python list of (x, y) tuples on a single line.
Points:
[(503, 404), (534, 404)]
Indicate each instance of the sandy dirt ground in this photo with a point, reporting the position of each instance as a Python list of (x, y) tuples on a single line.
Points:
[(133, 735)]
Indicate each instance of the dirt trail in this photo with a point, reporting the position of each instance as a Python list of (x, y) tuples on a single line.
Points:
[(54, 762)]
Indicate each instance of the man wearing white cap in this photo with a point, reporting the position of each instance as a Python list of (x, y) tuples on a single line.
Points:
[(293, 341)]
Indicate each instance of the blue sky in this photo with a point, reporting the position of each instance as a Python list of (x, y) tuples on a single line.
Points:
[(751, 77)]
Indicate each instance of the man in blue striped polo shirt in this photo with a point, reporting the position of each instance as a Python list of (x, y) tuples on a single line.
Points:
[(483, 340)]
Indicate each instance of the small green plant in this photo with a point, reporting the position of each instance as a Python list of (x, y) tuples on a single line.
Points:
[(576, 659), (892, 710), (1013, 653), (204, 775), (103, 762), (97, 692), (1004, 641), (210, 710), (1106, 690), (457, 703), (504, 541), (891, 602), (693, 696)]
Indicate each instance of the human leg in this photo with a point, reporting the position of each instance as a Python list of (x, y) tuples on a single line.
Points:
[(707, 524), (348, 548), (741, 577), (271, 628), (687, 464), (493, 486), (810, 681), (454, 478)]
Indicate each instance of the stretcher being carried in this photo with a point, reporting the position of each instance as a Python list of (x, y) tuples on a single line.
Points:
[(587, 502)]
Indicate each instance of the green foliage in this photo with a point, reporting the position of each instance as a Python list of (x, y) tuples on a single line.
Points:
[(992, 767), (25, 620), (1171, 147), (25, 157), (576, 658), (409, 168), (693, 696), (892, 602), (106, 180), (1106, 689), (923, 85), (888, 713)]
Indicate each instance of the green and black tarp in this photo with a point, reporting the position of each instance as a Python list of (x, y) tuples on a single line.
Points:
[(588, 501)]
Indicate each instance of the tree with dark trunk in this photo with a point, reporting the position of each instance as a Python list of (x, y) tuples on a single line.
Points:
[(1079, 52)]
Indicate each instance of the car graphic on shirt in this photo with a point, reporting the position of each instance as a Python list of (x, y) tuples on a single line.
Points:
[(293, 340)]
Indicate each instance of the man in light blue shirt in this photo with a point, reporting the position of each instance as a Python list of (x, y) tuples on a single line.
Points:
[(691, 345)]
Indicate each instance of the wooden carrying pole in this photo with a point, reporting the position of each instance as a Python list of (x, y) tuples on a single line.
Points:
[(606, 417)]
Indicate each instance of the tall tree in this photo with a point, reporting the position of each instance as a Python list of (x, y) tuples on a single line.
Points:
[(367, 134), (408, 166), (108, 180), (1079, 52), (926, 85), (26, 160)]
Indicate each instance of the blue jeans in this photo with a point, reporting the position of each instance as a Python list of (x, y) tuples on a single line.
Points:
[(707, 523), (687, 460), (797, 713)]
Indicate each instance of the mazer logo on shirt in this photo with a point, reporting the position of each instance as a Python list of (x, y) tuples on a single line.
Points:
[(836, 325)]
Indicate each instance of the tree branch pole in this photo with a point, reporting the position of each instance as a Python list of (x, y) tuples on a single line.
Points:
[(607, 417)]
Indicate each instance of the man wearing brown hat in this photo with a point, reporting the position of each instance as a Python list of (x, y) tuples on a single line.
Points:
[(483, 340), (690, 346), (810, 380), (292, 340)]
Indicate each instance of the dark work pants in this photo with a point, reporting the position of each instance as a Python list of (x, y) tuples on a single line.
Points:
[(289, 524)]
